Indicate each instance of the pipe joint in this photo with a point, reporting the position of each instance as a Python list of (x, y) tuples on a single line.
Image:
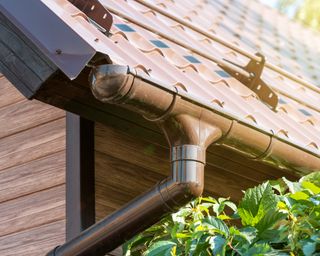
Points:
[(188, 153)]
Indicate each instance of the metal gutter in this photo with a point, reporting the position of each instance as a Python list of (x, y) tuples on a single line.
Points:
[(221, 62), (188, 140), (189, 128), (146, 96)]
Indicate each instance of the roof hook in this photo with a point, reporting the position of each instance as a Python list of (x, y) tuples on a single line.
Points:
[(97, 14), (254, 81)]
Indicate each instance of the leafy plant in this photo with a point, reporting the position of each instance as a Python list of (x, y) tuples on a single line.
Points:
[(305, 11), (275, 218)]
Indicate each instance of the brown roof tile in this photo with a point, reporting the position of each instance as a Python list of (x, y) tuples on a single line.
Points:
[(245, 23)]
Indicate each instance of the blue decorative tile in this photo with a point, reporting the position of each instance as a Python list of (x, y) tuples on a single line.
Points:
[(159, 44), (305, 112), (192, 59), (222, 73), (124, 27), (282, 101)]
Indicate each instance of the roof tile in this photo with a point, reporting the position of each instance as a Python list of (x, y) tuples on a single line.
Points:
[(245, 23)]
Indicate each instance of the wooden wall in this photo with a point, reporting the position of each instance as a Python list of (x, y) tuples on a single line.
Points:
[(130, 159), (32, 174)]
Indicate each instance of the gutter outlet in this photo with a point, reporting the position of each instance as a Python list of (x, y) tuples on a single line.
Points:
[(188, 137), (190, 128)]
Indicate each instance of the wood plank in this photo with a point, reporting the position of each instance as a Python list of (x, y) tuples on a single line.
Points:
[(32, 144), (34, 242), (155, 157), (57, 92), (142, 150), (8, 93), (33, 210), (137, 151), (83, 102), (37, 175), (222, 183), (112, 192), (141, 164), (251, 168), (26, 114)]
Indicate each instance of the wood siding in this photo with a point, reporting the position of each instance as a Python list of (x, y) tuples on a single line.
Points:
[(32, 174), (129, 160)]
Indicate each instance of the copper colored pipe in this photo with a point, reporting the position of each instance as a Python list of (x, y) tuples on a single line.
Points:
[(185, 182), (190, 128), (167, 196), (221, 62), (171, 107)]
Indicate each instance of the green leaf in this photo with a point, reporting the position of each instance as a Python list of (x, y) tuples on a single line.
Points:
[(135, 243), (258, 249), (218, 245), (209, 199), (256, 203), (299, 196), (218, 208), (293, 186), (182, 235), (216, 224), (249, 233), (273, 223), (269, 219), (231, 205), (161, 248), (312, 187), (199, 245), (312, 177), (279, 185)]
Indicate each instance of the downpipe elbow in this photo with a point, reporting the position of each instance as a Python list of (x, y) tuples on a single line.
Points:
[(187, 178)]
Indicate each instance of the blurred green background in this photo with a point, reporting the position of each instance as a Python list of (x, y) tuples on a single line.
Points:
[(305, 11)]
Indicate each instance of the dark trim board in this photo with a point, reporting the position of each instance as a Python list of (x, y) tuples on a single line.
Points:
[(20, 61), (80, 191)]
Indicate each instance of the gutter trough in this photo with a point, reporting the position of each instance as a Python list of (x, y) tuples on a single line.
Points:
[(190, 128)]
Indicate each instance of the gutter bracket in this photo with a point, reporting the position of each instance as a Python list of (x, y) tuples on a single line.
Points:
[(96, 12), (254, 81)]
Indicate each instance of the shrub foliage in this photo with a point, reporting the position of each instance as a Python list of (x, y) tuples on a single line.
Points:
[(275, 218)]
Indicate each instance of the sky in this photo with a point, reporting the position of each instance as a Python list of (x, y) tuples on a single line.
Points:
[(273, 3), (270, 2)]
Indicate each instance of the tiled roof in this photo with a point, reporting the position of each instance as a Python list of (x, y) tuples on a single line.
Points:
[(249, 25), (245, 23)]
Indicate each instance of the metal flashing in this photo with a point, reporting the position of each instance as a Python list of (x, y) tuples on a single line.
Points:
[(69, 47), (184, 59)]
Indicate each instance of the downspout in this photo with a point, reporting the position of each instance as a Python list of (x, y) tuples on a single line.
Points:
[(189, 128), (188, 136)]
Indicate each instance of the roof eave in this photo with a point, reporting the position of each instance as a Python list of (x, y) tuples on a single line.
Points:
[(71, 55)]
